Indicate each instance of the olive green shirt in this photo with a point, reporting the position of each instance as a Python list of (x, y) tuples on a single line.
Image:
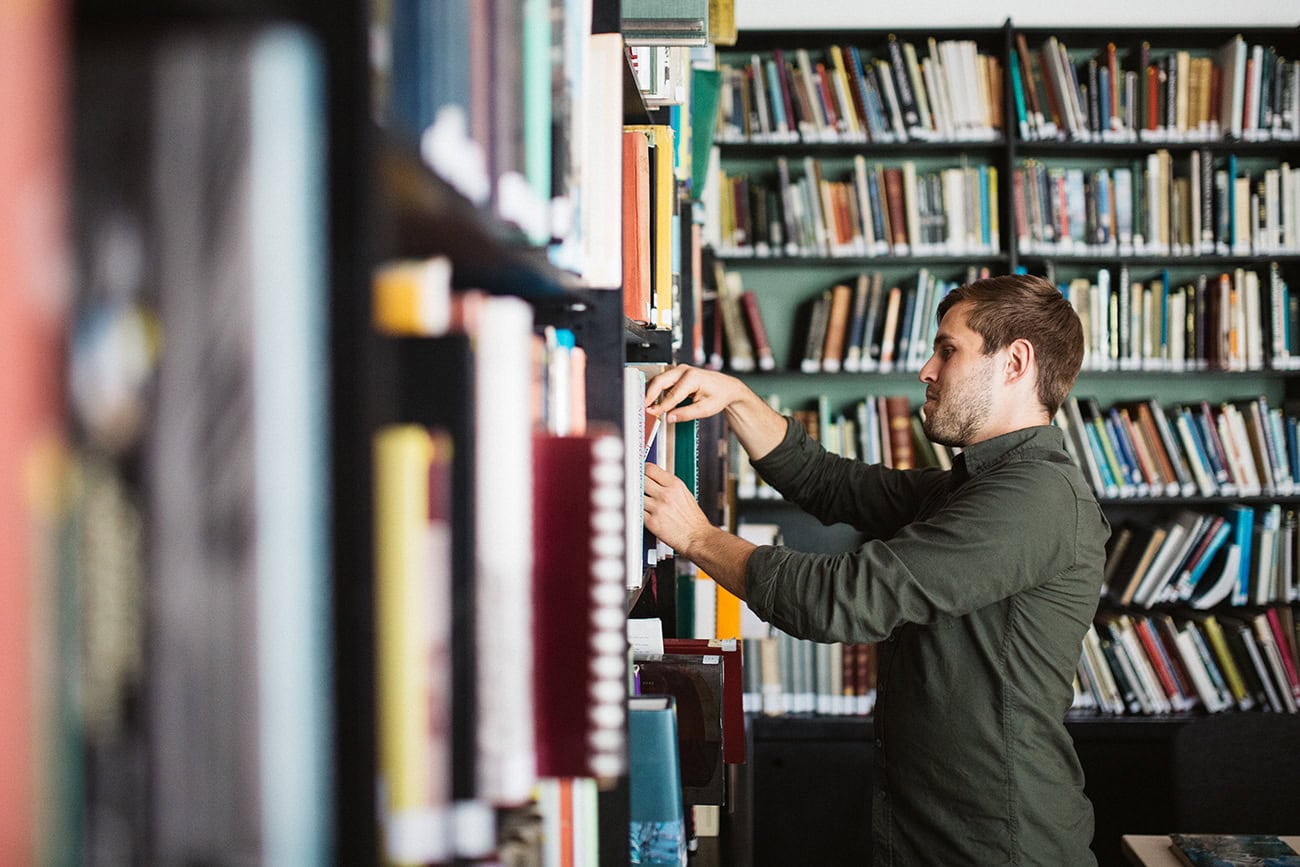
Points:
[(979, 583)]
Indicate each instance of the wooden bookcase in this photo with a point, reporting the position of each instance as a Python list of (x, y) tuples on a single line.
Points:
[(1110, 747)]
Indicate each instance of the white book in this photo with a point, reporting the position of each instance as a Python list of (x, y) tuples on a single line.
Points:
[(503, 562), (1210, 697), (1269, 650), (1221, 586)]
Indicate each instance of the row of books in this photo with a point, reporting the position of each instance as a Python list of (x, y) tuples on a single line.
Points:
[(1157, 207), (843, 94), (1161, 663), (1236, 91), (876, 210), (1139, 449), (1238, 320), (787, 675), (1240, 555), (491, 697)]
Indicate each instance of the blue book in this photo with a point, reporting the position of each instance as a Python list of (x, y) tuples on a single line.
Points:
[(657, 832), (779, 120), (1108, 478), (1018, 90), (1221, 850), (1125, 451), (1243, 525), (1187, 584)]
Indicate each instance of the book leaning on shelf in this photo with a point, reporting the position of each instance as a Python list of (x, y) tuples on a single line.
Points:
[(1137, 448), (1158, 662)]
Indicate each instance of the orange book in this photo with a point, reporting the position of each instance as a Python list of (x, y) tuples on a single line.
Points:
[(636, 226), (728, 612), (836, 324)]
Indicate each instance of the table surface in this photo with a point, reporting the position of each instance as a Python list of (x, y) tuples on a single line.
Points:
[(1152, 850)]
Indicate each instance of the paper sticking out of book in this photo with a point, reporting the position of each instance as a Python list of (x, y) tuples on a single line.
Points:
[(1222, 850)]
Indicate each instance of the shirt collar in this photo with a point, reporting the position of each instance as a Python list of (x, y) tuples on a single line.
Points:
[(981, 456)]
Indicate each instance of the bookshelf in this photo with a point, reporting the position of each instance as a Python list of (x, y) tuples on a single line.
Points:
[(759, 169), (239, 177)]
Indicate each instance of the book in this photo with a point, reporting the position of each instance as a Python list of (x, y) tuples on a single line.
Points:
[(413, 605), (740, 350), (705, 679), (762, 347), (901, 449), (837, 322), (658, 821), (1223, 850), (578, 593), (637, 298)]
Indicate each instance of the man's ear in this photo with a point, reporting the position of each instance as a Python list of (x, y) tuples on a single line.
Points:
[(1021, 360)]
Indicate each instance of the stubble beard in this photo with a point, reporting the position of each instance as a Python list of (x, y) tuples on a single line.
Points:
[(961, 410)]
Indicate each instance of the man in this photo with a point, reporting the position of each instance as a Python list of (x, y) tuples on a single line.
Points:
[(979, 582)]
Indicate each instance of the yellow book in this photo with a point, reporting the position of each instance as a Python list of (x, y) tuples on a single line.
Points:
[(413, 297), (413, 626), (845, 94), (1219, 644)]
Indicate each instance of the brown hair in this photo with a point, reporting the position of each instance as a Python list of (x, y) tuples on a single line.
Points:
[(1018, 306)]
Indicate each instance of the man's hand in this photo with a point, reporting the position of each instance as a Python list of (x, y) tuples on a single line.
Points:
[(758, 427), (710, 393), (671, 513)]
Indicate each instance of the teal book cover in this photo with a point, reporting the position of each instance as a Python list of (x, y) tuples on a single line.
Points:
[(657, 833), (1226, 850)]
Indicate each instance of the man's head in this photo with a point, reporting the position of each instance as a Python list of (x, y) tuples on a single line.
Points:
[(1024, 307), (1006, 355)]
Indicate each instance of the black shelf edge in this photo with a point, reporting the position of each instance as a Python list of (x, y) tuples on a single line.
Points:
[(1082, 725), (806, 261), (1094, 149), (730, 150), (425, 216), (1257, 499), (647, 344), (753, 39), (1178, 262)]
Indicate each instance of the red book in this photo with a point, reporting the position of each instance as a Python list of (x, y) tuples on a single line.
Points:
[(579, 665), (34, 61), (757, 332), (733, 709), (896, 206), (1284, 650), (1150, 643), (636, 226), (1153, 97)]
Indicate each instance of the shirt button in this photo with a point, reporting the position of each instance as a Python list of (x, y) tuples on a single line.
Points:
[(879, 743), (884, 796)]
